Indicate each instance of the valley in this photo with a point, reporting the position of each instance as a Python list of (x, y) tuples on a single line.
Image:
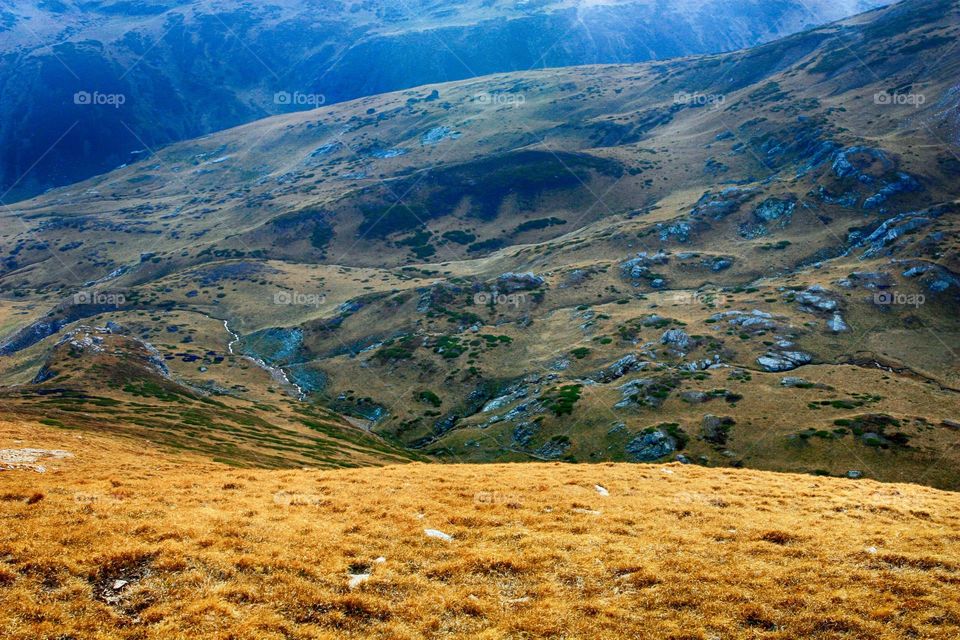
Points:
[(480, 319), (740, 260)]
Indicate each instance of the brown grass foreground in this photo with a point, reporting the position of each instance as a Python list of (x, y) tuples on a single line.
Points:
[(124, 541)]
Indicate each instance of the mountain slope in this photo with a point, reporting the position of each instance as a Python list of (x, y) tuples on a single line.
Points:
[(182, 69), (125, 541), (739, 260)]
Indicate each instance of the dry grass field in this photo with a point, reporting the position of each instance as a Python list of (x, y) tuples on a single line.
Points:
[(120, 540)]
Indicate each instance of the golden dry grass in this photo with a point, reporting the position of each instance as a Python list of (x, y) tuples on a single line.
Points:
[(672, 552)]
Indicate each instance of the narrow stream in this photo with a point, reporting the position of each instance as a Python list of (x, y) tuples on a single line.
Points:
[(277, 373)]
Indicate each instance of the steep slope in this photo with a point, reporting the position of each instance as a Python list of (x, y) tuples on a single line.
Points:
[(159, 71), (738, 260), (101, 380), (120, 540)]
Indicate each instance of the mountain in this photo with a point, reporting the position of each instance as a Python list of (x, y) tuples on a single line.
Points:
[(746, 259), (87, 86), (124, 540)]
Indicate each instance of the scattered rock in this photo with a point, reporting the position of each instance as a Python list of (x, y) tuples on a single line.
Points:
[(27, 459), (893, 229), (694, 397), (904, 183), (855, 162), (511, 282), (620, 368), (680, 231), (773, 210), (784, 361), (816, 298), (356, 579), (720, 264), (554, 448), (439, 535), (753, 321), (837, 325), (630, 389), (524, 432), (720, 205), (648, 447), (639, 267), (437, 135), (618, 427), (676, 339)]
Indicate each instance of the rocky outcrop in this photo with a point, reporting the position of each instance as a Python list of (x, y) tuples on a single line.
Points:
[(676, 339), (620, 368), (651, 446), (783, 360), (512, 282)]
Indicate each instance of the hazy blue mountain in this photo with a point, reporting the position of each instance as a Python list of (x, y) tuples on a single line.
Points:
[(183, 69)]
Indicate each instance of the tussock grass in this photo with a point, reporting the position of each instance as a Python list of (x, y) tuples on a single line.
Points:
[(132, 542)]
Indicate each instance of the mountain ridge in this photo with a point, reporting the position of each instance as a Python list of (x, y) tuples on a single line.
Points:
[(289, 55)]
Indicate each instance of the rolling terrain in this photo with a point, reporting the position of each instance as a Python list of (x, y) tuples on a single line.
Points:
[(123, 540), (151, 72), (736, 260)]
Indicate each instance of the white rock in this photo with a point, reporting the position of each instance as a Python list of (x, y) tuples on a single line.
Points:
[(119, 584), (601, 490), (356, 579), (440, 535), (380, 560)]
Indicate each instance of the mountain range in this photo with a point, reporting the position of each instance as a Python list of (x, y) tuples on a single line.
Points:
[(105, 81), (743, 259)]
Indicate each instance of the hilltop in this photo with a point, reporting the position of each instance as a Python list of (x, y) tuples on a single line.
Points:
[(119, 539)]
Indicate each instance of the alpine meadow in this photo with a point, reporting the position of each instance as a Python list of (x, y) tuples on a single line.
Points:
[(480, 319)]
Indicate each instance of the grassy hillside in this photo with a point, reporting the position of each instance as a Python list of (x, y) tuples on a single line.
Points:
[(121, 540), (743, 260)]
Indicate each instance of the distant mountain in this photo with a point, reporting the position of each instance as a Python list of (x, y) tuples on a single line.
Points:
[(149, 72)]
